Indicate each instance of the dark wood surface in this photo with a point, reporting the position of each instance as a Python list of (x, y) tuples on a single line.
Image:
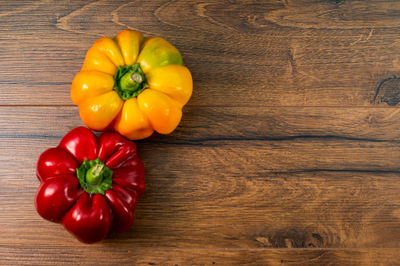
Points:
[(288, 152)]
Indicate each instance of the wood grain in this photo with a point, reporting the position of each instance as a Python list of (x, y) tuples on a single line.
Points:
[(202, 124), (332, 191), (149, 256), (258, 55), (288, 152)]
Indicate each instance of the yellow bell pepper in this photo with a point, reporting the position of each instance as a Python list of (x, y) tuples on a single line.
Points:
[(133, 85)]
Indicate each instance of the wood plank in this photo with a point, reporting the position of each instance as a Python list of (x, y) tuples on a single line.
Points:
[(324, 210), (276, 53), (298, 193), (205, 124), (106, 255), (254, 158)]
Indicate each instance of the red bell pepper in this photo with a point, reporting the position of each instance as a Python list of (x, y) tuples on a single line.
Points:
[(90, 184)]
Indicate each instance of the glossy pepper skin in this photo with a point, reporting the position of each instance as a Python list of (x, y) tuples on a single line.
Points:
[(90, 184), (132, 84)]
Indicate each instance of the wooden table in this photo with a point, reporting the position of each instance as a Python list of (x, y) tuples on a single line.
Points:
[(288, 151)]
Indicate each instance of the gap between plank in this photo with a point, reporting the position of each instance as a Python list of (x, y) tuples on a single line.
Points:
[(218, 106)]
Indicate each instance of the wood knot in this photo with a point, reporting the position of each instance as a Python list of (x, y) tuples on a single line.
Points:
[(388, 91), (292, 238)]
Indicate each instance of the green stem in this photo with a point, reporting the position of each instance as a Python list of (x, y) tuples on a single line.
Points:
[(94, 176), (129, 81)]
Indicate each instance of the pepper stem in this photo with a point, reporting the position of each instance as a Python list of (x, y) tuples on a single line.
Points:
[(94, 176), (129, 81)]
